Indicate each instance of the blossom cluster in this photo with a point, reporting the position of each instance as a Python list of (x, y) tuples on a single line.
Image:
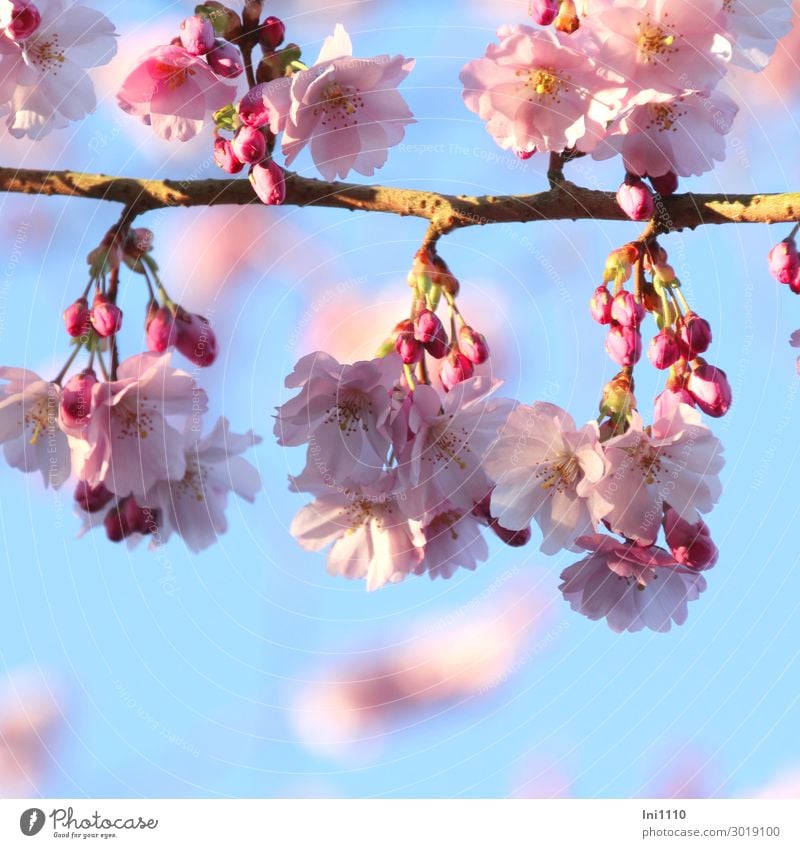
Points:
[(631, 77), (408, 470), (45, 47), (132, 436)]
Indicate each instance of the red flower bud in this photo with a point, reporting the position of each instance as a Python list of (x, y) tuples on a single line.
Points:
[(106, 317), (195, 339), (197, 35), (473, 345), (428, 330), (409, 348), (691, 544), (694, 335), (269, 183), (600, 305), (636, 200), (543, 12), (624, 345), (626, 311), (784, 261), (249, 145), (710, 389), (664, 350), (76, 318), (225, 157), (271, 33), (456, 369), (160, 330), (225, 60)]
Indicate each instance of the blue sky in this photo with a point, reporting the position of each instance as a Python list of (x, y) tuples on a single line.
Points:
[(181, 670)]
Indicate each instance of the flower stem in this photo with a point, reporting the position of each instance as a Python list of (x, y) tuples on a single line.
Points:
[(60, 376)]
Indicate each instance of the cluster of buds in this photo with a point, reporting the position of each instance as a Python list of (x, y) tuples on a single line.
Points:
[(251, 141), (170, 326), (677, 347), (424, 333), (123, 519), (206, 34), (562, 14)]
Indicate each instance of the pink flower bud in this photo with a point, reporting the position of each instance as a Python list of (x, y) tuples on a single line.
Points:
[(543, 12), (76, 318), (691, 544), (524, 154), (600, 305), (794, 283), (473, 345), (225, 157), (636, 200), (709, 387), (160, 330), (268, 183), (197, 35), (106, 317), (91, 498), (253, 111), (784, 261), (666, 184), (76, 399), (409, 348), (249, 145), (225, 60), (624, 344), (19, 19), (626, 311), (455, 370), (195, 339), (271, 34), (664, 350), (666, 404), (694, 335), (428, 330)]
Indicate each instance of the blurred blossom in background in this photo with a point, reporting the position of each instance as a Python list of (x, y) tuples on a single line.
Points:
[(247, 670)]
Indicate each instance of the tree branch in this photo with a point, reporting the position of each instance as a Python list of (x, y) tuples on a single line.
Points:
[(563, 201)]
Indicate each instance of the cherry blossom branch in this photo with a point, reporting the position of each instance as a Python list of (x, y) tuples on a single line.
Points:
[(563, 201)]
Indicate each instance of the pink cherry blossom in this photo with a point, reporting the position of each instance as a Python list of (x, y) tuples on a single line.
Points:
[(535, 91), (453, 540), (631, 586), (546, 470), (43, 84), (443, 462), (347, 109), (29, 431), (342, 413), (128, 445), (678, 464), (664, 45), (193, 506), (661, 133), (372, 538), (755, 27), (173, 91), (267, 104)]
